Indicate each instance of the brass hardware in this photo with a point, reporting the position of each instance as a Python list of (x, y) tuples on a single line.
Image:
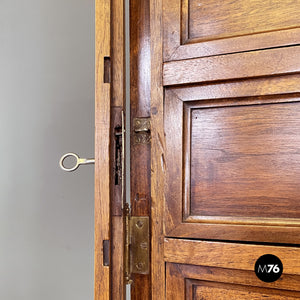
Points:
[(127, 244), (142, 130), (139, 234), (136, 245), (79, 161), (141, 124)]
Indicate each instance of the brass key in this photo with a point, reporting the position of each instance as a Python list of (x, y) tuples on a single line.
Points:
[(79, 161)]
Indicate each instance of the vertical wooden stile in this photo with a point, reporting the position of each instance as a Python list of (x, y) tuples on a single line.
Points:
[(158, 168), (140, 108), (102, 141), (117, 106), (109, 187)]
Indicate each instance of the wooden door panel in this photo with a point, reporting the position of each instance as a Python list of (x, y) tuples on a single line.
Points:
[(243, 160), (211, 270), (195, 29), (212, 19), (232, 163), (224, 147), (204, 290), (180, 285)]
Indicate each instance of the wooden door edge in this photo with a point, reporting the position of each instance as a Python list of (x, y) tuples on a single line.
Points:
[(109, 103)]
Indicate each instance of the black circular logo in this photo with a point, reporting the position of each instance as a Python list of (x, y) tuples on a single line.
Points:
[(268, 268)]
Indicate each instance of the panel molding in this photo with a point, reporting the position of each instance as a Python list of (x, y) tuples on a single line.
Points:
[(211, 20), (234, 256), (178, 45), (180, 279), (187, 165), (179, 221), (234, 66), (272, 86)]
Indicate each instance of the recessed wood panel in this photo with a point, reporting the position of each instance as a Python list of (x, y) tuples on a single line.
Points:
[(245, 161), (232, 164), (187, 281), (205, 28), (211, 19), (210, 291)]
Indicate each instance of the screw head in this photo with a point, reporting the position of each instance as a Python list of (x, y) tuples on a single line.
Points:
[(139, 266), (144, 245), (139, 224)]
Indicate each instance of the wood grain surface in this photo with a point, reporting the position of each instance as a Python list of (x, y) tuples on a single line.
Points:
[(226, 271), (102, 151), (227, 67), (204, 28), (226, 88), (222, 19), (177, 275), (109, 101), (244, 161), (228, 255), (242, 88), (269, 147), (157, 153), (139, 108), (210, 291), (117, 106)]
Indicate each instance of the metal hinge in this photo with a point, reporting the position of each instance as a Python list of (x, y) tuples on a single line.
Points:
[(136, 245), (142, 130)]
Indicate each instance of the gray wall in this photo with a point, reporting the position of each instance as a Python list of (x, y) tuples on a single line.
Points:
[(47, 103)]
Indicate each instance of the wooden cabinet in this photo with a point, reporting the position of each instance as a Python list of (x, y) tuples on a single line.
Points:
[(217, 171)]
